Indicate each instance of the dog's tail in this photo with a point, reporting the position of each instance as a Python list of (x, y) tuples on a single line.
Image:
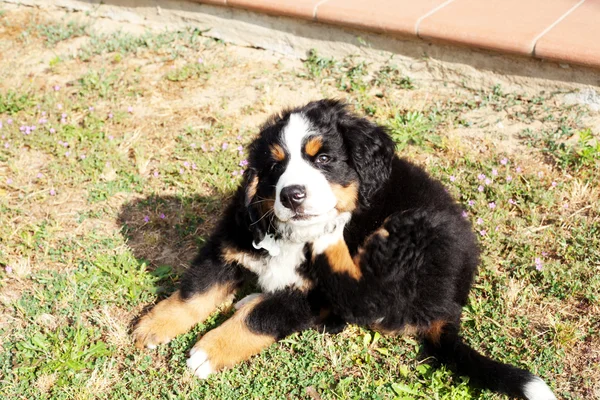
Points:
[(447, 346)]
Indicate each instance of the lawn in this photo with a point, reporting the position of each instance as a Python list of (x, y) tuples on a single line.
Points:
[(119, 148)]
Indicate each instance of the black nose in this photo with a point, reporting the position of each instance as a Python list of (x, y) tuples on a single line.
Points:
[(292, 196)]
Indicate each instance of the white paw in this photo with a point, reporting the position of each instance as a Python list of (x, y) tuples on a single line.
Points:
[(199, 364), (245, 300), (152, 346)]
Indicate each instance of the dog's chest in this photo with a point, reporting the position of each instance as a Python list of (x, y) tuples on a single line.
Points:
[(278, 272)]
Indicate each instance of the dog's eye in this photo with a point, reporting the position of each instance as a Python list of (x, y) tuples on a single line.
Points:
[(322, 159)]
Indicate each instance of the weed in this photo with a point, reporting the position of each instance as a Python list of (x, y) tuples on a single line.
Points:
[(12, 102), (58, 32), (411, 128), (390, 75), (317, 66), (188, 71)]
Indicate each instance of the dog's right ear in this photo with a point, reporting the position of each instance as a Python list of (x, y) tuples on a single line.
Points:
[(257, 224)]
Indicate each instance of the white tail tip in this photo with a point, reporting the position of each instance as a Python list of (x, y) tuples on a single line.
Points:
[(536, 389)]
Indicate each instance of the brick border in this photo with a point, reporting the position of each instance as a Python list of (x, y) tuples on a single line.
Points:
[(565, 31)]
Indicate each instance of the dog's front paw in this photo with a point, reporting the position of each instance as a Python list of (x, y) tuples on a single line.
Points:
[(153, 329), (229, 344), (169, 318), (199, 363)]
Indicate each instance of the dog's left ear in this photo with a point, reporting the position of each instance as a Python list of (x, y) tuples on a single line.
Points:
[(256, 223), (371, 150)]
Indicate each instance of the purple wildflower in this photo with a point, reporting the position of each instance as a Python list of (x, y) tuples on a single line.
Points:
[(56, 88), (495, 172), (509, 178), (110, 115), (224, 146), (481, 177), (146, 218), (234, 173), (9, 121), (155, 174), (186, 164), (480, 188), (465, 214), (554, 184), (194, 166), (504, 161), (471, 203), (512, 202), (243, 163), (52, 130), (539, 264), (483, 232), (130, 109), (8, 269), (52, 192), (9, 181), (519, 170), (492, 205), (479, 221), (488, 181), (162, 216), (452, 178)]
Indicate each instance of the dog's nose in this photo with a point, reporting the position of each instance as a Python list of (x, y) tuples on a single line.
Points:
[(292, 196)]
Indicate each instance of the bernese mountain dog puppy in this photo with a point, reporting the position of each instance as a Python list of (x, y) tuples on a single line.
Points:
[(337, 229)]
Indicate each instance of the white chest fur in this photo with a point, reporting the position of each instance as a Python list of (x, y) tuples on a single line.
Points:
[(277, 272), (279, 269)]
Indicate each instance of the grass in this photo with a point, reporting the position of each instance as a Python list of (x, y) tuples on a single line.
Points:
[(115, 163)]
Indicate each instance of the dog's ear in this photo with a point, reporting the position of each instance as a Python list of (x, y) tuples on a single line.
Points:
[(256, 223), (371, 150)]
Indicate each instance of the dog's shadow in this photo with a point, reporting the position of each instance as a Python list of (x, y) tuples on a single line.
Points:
[(167, 231)]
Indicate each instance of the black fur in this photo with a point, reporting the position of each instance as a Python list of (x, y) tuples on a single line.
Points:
[(419, 273)]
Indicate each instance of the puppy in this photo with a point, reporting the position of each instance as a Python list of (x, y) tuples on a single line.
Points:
[(337, 229)]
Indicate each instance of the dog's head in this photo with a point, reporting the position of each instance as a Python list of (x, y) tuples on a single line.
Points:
[(310, 164)]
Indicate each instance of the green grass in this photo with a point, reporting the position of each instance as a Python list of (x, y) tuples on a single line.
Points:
[(102, 209)]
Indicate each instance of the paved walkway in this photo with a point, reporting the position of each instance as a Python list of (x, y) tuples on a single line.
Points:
[(567, 31)]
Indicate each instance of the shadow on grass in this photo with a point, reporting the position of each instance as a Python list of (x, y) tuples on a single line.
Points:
[(166, 231)]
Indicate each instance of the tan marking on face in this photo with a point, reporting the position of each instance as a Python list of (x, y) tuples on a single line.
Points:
[(266, 205), (277, 152), (175, 315), (233, 341), (313, 145), (434, 331), (251, 189), (340, 261), (347, 196)]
